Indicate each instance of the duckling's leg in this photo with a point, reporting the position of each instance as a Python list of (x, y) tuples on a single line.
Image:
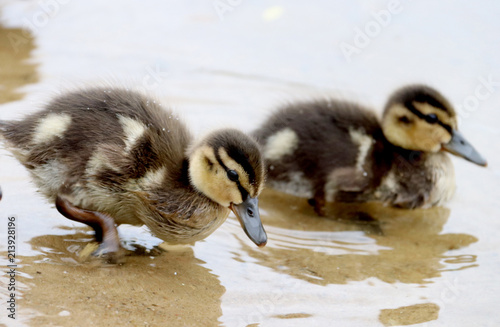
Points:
[(346, 180), (319, 201), (104, 226)]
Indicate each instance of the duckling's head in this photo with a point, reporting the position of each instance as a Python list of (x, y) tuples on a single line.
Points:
[(419, 118), (227, 167)]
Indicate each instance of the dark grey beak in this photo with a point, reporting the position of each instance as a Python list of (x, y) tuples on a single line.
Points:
[(248, 215), (459, 146)]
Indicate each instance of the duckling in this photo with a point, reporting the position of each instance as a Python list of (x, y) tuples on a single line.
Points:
[(334, 151), (111, 156)]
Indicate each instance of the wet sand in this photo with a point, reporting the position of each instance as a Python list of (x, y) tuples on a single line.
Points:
[(172, 288)]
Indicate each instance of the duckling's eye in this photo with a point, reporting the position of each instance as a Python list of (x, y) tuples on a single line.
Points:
[(431, 118), (232, 175)]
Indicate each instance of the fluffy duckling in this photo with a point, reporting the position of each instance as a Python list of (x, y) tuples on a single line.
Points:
[(112, 156), (340, 152)]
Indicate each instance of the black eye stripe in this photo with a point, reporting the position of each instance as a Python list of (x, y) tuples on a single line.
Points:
[(219, 160), (238, 156), (430, 99), (404, 120), (244, 193), (411, 107)]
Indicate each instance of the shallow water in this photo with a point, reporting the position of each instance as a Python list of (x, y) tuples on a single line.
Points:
[(15, 69), (365, 265)]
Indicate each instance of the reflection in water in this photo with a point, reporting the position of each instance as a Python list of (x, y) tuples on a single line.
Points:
[(293, 316), (15, 71), (363, 241), (410, 315), (146, 291)]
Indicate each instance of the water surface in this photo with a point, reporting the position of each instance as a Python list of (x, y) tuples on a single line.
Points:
[(364, 265)]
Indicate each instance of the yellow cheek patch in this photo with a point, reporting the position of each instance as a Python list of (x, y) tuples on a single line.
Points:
[(210, 178), (394, 131), (418, 135), (426, 137)]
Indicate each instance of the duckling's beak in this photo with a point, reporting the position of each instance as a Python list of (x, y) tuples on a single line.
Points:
[(459, 146), (248, 215)]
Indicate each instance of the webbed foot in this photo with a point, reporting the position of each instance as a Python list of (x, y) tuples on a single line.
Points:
[(104, 226), (318, 203)]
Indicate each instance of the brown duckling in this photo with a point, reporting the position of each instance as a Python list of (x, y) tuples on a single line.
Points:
[(112, 156), (340, 152)]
